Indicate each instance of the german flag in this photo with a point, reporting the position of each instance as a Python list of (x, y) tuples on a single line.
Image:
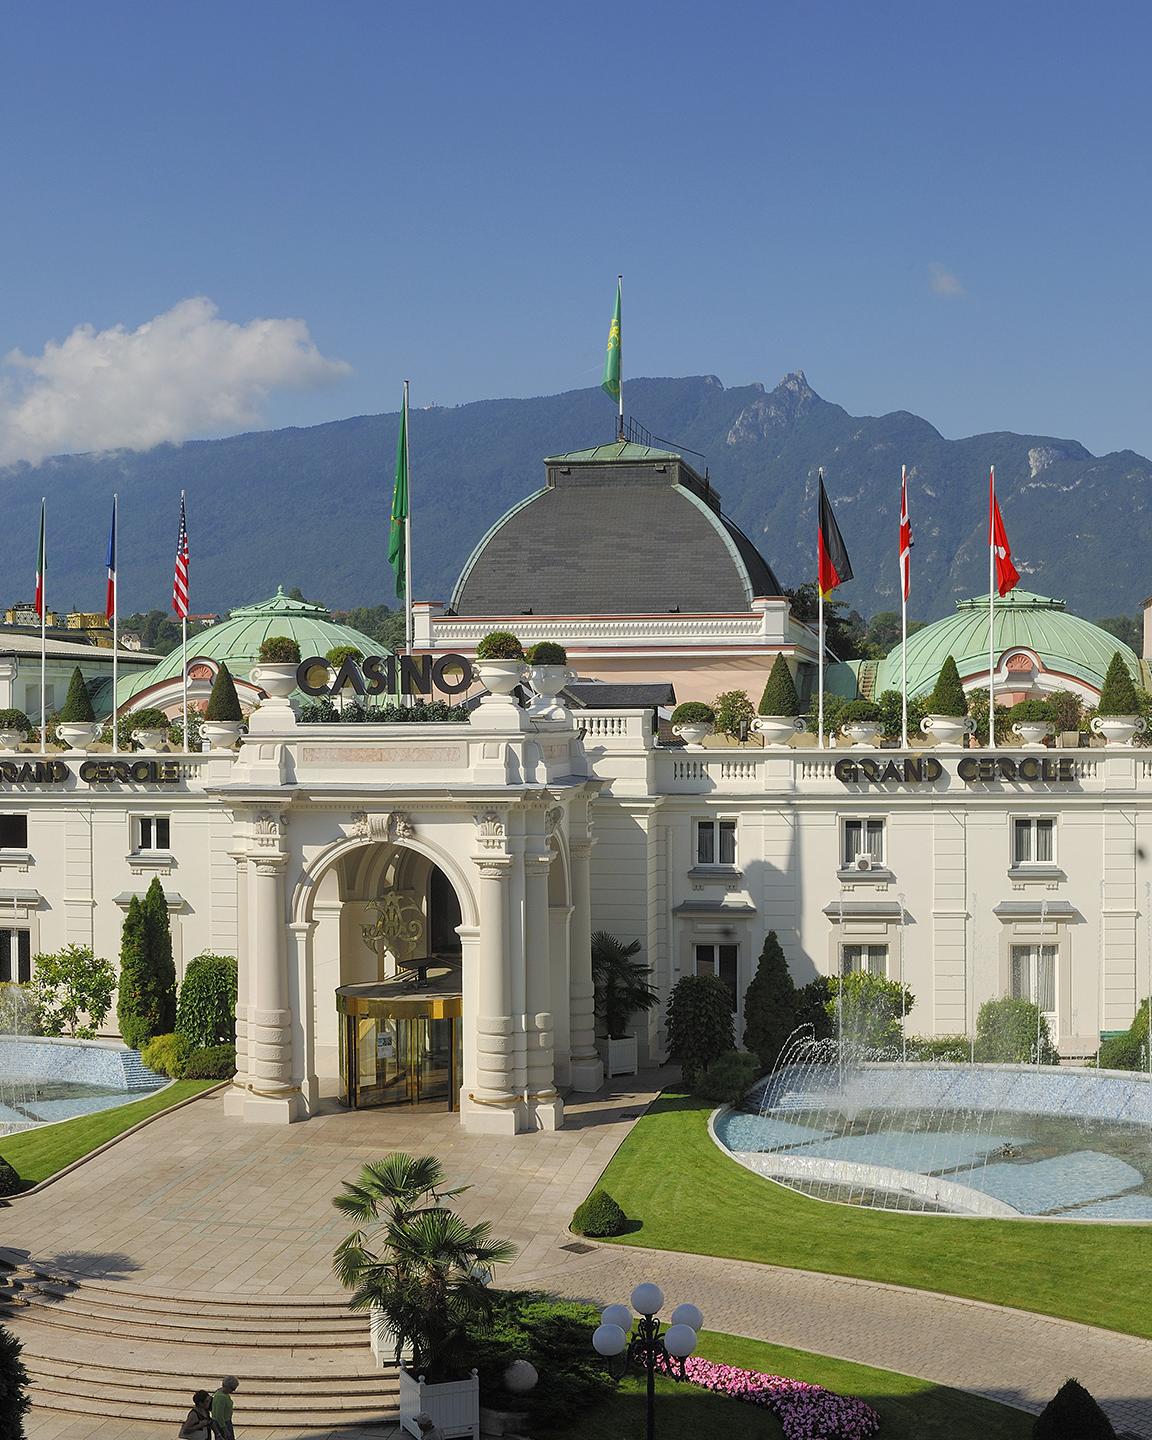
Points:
[(832, 564)]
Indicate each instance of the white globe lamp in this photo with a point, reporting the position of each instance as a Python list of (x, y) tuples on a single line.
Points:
[(609, 1340), (687, 1315), (680, 1341), (618, 1315), (647, 1299)]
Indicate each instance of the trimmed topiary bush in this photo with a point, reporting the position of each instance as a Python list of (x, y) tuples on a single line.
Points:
[(769, 1004), (78, 706), (546, 652), (856, 711), (599, 1216), (339, 653), (1006, 1034), (948, 696), (211, 1062), (1072, 1414), (1118, 697), (500, 645), (699, 1024), (15, 720), (167, 1054), (206, 1010), (14, 1401), (729, 1078), (1030, 712), (223, 703), (280, 650), (693, 712), (10, 1184), (779, 696)]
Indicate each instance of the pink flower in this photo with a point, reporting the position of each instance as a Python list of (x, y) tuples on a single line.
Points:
[(805, 1412)]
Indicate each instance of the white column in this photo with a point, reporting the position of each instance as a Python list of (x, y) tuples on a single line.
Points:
[(302, 990), (273, 1090), (234, 1099), (542, 1096), (491, 1105), (587, 1067)]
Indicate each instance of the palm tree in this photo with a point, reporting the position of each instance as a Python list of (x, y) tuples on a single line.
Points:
[(425, 1270), (621, 982)]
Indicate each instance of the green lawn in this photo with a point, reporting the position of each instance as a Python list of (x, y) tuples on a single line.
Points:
[(36, 1154), (686, 1195), (909, 1409)]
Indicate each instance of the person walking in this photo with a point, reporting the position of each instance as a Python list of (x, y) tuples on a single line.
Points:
[(198, 1425), (222, 1408)]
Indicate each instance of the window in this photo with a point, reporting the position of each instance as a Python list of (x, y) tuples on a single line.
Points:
[(15, 956), (13, 832), (153, 832), (862, 837), (870, 959), (1033, 976), (1033, 841), (716, 842), (719, 960)]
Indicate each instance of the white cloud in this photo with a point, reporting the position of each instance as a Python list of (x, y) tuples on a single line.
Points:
[(185, 373), (943, 281)]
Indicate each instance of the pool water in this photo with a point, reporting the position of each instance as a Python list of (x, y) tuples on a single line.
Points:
[(48, 1100)]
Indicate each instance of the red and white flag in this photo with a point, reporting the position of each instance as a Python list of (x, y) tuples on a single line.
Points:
[(905, 538), (1007, 576), (180, 582)]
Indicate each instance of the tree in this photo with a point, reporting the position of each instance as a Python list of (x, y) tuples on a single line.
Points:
[(699, 1021), (844, 629), (812, 1007), (423, 1269), (732, 708), (1072, 1414), (868, 1009), (206, 1012), (1009, 1031), (160, 944), (147, 997), (223, 702), (621, 982), (1127, 628), (892, 713), (883, 633), (14, 1401), (78, 704), (1118, 696), (948, 696), (779, 697), (769, 1004), (70, 984)]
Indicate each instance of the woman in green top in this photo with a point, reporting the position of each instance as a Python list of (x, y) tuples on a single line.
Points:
[(222, 1408)]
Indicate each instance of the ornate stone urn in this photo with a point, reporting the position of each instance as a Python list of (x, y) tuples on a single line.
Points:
[(221, 734), (276, 680), (149, 739), (777, 729), (948, 731), (1118, 729), (862, 733), (547, 681), (11, 740), (501, 677), (693, 732), (1032, 733), (78, 735)]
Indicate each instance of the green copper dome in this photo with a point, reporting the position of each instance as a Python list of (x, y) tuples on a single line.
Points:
[(237, 640), (1065, 645)]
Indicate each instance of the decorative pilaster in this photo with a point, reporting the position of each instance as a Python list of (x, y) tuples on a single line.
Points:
[(542, 1096), (234, 1099), (587, 1067), (493, 1105)]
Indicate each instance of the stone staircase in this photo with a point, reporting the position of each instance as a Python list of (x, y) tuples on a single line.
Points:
[(106, 1350)]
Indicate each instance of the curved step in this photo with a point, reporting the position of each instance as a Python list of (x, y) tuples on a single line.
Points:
[(192, 1307), (302, 1337), (180, 1318), (80, 1401), (368, 1382)]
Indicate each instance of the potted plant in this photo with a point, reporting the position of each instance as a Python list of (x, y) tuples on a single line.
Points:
[(947, 720), (1118, 716), (223, 718), (276, 671), (860, 720), (14, 729), (692, 721), (622, 990), (500, 663), (76, 723), (778, 717), (423, 1276), (1031, 723), (549, 673), (149, 728)]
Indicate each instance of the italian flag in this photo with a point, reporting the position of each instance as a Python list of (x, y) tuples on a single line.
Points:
[(40, 567)]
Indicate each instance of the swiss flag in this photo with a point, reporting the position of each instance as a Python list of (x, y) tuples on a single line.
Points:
[(1007, 576)]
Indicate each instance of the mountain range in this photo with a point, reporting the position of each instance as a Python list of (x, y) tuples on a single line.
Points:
[(309, 506)]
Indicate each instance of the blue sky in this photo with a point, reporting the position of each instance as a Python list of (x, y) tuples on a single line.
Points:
[(930, 208)]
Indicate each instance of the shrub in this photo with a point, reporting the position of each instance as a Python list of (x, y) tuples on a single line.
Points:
[(732, 709), (729, 1077), (546, 652), (621, 981), (211, 1062), (324, 712), (280, 650), (206, 1010), (812, 1007), (1067, 710), (14, 1401), (699, 1021), (167, 1054), (150, 718), (948, 696), (1072, 1414), (892, 714), (500, 645), (868, 1009), (10, 1184), (15, 720), (1130, 1050), (779, 696), (954, 1048), (70, 984), (1118, 696), (833, 706), (1030, 712), (978, 709), (78, 706), (223, 702), (339, 653), (769, 1004), (859, 710), (599, 1216), (693, 712), (1006, 1032)]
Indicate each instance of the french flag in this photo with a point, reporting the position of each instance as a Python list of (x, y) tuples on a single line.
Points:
[(110, 604)]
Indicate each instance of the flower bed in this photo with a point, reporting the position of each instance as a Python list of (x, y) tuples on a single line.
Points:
[(804, 1411)]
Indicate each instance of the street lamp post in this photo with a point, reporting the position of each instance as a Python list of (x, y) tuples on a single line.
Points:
[(646, 1342)]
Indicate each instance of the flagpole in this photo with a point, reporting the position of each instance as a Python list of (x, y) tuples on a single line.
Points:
[(620, 293), (115, 618), (184, 646), (991, 609), (43, 625), (903, 618), (408, 629), (820, 664)]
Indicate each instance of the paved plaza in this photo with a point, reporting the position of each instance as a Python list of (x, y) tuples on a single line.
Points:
[(196, 1205)]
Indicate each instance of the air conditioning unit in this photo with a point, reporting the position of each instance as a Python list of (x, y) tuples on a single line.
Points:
[(864, 862)]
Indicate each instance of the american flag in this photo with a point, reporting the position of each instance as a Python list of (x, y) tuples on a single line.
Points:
[(180, 582)]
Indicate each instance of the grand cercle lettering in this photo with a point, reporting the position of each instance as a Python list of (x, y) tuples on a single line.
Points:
[(91, 772), (386, 674), (924, 769)]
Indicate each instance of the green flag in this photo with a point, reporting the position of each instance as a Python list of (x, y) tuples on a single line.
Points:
[(611, 381), (398, 529)]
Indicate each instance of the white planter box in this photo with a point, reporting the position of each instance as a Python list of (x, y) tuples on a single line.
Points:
[(454, 1406), (383, 1340), (619, 1056)]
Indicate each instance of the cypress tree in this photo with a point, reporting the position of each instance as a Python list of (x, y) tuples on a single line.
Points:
[(769, 1004), (78, 705), (1072, 1414), (163, 968), (1118, 697), (146, 1003), (779, 697), (948, 696), (223, 702)]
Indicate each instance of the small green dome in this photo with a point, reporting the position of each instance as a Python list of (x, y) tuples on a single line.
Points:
[(237, 640), (1065, 645)]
